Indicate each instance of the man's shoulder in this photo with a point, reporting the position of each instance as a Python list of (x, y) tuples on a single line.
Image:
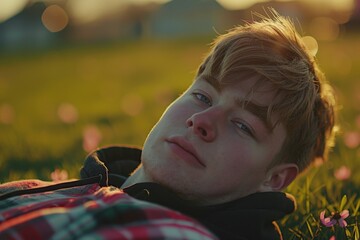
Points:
[(250, 217)]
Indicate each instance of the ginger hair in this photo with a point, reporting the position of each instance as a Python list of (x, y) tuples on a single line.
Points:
[(271, 50)]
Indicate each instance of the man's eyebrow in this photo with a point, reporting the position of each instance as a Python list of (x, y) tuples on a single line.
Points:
[(212, 81), (261, 112)]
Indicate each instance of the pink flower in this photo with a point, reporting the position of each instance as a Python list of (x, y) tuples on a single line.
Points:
[(334, 218), (342, 173), (67, 113), (352, 139), (7, 113), (91, 138), (332, 238), (59, 175)]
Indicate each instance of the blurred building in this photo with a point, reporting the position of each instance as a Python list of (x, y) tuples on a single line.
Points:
[(182, 18), (26, 31), (354, 22), (37, 27), (130, 22)]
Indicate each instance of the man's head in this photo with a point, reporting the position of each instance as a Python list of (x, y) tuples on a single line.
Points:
[(272, 52), (257, 113)]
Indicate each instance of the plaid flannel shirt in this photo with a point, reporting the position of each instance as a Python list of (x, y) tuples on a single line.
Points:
[(90, 212)]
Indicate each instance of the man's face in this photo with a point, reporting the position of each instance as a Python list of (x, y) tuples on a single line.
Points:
[(208, 147)]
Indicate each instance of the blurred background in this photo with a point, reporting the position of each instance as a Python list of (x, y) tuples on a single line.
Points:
[(80, 74)]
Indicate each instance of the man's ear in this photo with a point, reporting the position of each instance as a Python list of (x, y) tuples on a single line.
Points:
[(279, 177)]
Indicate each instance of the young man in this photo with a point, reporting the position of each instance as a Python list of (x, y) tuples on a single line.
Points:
[(257, 114)]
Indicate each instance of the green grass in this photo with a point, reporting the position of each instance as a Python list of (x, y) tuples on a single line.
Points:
[(98, 80)]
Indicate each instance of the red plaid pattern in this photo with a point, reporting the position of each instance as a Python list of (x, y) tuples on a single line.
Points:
[(90, 212)]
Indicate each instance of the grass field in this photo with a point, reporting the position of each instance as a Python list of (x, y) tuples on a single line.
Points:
[(57, 105)]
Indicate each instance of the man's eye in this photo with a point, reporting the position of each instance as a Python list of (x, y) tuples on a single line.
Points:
[(243, 127), (203, 98)]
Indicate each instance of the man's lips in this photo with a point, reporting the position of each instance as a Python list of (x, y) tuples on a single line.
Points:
[(187, 147)]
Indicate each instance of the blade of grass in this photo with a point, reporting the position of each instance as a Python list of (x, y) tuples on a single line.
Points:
[(356, 208), (308, 225), (343, 202)]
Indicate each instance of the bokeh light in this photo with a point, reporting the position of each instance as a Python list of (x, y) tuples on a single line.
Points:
[(7, 113), (311, 44), (132, 104), (55, 18), (85, 11), (59, 175), (352, 139), (342, 173), (324, 28), (91, 138), (9, 8), (67, 113)]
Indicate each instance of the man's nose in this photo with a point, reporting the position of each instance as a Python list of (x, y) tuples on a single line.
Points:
[(203, 124)]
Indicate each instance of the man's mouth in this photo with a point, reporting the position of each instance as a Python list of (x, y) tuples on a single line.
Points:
[(185, 150)]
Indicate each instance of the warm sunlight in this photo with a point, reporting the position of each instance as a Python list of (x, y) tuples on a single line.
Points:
[(89, 10), (334, 4), (235, 4), (9, 8)]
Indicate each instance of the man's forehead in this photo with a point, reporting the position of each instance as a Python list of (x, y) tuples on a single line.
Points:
[(211, 80), (216, 74), (251, 88)]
